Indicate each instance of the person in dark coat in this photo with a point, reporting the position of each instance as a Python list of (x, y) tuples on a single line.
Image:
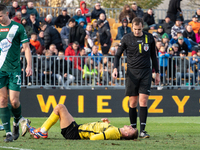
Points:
[(97, 11), (105, 37), (173, 9), (14, 8), (127, 13), (24, 12), (137, 10), (33, 23), (149, 19), (122, 30), (190, 35), (167, 26), (198, 14), (28, 29), (182, 45), (51, 36), (62, 20), (48, 20), (77, 33)]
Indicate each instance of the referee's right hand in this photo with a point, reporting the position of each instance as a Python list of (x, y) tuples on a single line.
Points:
[(114, 74)]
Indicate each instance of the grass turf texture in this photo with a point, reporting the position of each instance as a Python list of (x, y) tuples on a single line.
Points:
[(166, 133)]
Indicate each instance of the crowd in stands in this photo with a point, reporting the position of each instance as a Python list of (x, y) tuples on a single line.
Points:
[(88, 33)]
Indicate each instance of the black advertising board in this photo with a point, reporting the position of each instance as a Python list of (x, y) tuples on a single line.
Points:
[(107, 103)]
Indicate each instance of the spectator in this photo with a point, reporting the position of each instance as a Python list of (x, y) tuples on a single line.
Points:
[(77, 33), (75, 62), (62, 73), (48, 20), (195, 24), (149, 19), (172, 41), (183, 68), (177, 28), (105, 37), (137, 10), (124, 29), (82, 23), (18, 17), (89, 42), (28, 29), (46, 69), (51, 36), (174, 9), (90, 71), (175, 48), (96, 56), (32, 10), (198, 14), (113, 49), (78, 15), (167, 26), (35, 43), (62, 19), (195, 65), (158, 46), (165, 41), (33, 23), (127, 13), (155, 36), (197, 36), (160, 31), (65, 32), (82, 55), (102, 17), (182, 45), (53, 49), (94, 26), (24, 12), (14, 8), (163, 62), (106, 71), (41, 38), (190, 35), (97, 11), (172, 65), (85, 11)]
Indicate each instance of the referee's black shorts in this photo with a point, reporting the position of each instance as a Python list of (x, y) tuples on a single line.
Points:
[(138, 81)]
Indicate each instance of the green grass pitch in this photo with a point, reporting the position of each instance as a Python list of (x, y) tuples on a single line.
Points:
[(170, 133)]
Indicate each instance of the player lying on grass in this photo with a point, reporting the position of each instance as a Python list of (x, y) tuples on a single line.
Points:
[(93, 131)]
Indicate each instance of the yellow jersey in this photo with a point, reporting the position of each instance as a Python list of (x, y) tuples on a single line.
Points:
[(99, 131)]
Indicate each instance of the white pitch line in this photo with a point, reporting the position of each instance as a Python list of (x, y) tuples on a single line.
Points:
[(13, 148)]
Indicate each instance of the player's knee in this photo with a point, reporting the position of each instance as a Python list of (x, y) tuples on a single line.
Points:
[(143, 103), (15, 102), (59, 107), (3, 101)]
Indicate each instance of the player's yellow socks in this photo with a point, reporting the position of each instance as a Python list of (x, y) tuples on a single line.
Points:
[(53, 118)]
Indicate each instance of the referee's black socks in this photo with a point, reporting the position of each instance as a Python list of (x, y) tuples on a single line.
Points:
[(133, 116), (143, 118)]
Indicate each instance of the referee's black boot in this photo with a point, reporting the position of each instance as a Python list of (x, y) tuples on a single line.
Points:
[(143, 134)]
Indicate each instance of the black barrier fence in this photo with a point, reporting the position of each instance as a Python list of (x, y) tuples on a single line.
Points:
[(107, 103)]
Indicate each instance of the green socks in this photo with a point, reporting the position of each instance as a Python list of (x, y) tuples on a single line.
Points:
[(17, 114), (5, 118)]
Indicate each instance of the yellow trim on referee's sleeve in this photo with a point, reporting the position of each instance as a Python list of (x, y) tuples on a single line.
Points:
[(140, 48), (146, 39)]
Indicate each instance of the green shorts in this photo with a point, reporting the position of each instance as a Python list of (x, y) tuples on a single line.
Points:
[(12, 80)]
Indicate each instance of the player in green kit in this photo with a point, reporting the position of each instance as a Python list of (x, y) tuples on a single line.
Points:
[(11, 35)]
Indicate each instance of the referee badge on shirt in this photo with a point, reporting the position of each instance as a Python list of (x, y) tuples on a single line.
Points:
[(146, 47)]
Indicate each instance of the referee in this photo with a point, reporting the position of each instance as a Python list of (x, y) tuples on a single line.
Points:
[(140, 47)]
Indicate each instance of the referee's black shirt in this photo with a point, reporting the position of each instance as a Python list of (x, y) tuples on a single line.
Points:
[(139, 50)]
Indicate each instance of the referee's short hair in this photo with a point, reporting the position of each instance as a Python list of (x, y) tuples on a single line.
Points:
[(137, 21)]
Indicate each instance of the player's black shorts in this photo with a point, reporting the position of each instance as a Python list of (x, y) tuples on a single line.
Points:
[(71, 132), (138, 81)]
